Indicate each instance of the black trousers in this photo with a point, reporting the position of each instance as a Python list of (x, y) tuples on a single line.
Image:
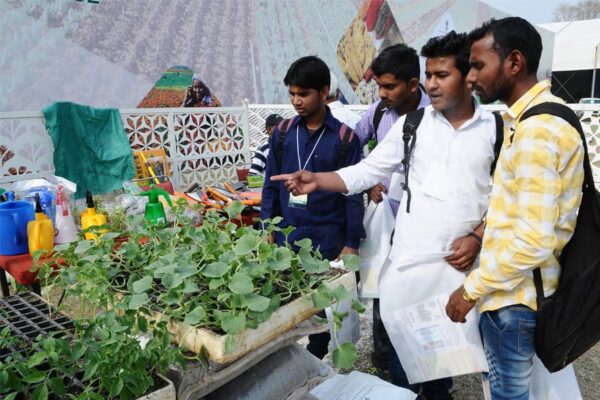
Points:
[(382, 346)]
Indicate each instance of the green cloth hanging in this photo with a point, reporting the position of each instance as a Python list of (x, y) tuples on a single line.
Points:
[(90, 147)]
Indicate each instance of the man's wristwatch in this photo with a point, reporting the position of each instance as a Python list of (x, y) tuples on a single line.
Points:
[(467, 298)]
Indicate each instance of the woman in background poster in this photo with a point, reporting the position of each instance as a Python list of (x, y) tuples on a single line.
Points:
[(197, 95)]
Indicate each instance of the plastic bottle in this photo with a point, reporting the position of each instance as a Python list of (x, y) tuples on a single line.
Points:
[(66, 232), (155, 212), (91, 218), (40, 232)]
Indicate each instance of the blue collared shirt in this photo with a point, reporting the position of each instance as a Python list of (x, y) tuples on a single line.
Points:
[(330, 220)]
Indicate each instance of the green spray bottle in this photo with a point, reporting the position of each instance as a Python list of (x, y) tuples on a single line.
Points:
[(155, 212)]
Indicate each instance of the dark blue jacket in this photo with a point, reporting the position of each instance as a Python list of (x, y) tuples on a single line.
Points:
[(331, 220)]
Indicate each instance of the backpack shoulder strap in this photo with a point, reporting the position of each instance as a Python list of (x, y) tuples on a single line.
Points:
[(283, 127), (499, 140), (379, 111), (346, 135), (409, 137)]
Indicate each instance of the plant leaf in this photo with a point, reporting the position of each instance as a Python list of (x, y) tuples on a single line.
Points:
[(82, 246), (40, 393), (321, 298), (267, 288), (215, 270), (234, 209), (240, 284), (233, 324), (172, 280), (246, 244), (311, 264), (35, 359), (276, 220), (116, 387), (257, 302), (142, 285), (351, 262), (358, 306), (344, 356), (35, 377), (305, 243), (340, 293), (57, 386), (195, 316), (215, 283), (282, 259), (190, 286), (137, 300)]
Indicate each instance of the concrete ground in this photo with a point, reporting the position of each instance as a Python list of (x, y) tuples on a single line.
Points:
[(468, 387)]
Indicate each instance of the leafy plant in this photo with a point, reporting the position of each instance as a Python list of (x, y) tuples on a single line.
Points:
[(101, 358), (216, 276)]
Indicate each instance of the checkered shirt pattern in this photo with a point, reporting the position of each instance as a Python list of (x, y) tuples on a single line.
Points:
[(533, 206)]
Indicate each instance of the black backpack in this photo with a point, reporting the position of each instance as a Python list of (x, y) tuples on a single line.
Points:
[(346, 134), (409, 137), (568, 321)]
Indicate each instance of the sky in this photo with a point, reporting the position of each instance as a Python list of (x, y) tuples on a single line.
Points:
[(535, 11)]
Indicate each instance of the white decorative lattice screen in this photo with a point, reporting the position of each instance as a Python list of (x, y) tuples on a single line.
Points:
[(204, 146)]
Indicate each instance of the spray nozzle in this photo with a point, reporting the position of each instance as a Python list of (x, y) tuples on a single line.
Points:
[(153, 194), (61, 200), (89, 199), (38, 204)]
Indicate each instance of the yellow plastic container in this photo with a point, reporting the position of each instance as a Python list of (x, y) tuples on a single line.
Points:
[(91, 217), (40, 232)]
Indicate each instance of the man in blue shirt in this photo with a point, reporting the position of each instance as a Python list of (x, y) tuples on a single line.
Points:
[(312, 141)]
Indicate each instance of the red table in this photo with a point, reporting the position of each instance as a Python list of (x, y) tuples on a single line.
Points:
[(19, 267)]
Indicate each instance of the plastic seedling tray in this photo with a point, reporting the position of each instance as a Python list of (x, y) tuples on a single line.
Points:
[(283, 319), (28, 316)]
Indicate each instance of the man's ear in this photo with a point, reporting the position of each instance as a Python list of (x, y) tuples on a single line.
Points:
[(515, 63), (323, 93), (413, 85)]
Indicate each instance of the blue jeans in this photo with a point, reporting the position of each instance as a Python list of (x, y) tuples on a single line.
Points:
[(508, 340)]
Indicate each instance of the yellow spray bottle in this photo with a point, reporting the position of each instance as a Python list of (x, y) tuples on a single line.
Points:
[(40, 232), (91, 218)]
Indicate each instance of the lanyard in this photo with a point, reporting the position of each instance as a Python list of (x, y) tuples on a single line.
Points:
[(311, 153)]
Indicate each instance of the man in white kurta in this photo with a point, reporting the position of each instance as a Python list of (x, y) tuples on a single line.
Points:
[(439, 239)]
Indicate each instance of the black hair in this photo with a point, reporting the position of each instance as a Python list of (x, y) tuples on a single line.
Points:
[(399, 60), (512, 33), (451, 44), (308, 72)]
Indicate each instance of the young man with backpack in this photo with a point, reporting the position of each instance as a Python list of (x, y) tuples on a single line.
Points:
[(533, 206), (447, 150), (396, 70), (315, 141)]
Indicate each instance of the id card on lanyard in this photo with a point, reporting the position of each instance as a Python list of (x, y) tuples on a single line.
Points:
[(301, 201)]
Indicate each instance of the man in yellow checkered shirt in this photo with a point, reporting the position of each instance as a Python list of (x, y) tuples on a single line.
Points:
[(533, 205)]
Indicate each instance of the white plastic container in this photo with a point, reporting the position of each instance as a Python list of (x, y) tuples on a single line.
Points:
[(66, 231)]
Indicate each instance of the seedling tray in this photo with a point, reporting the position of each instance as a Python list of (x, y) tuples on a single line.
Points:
[(28, 316), (285, 318)]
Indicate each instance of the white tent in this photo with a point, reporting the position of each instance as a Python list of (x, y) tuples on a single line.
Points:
[(575, 44)]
